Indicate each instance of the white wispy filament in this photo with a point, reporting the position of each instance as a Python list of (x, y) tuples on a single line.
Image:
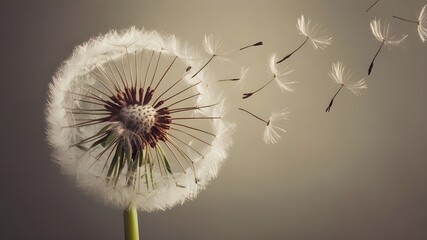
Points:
[(121, 113)]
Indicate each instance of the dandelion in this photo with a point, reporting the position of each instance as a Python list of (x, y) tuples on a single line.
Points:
[(121, 114), (343, 78), (422, 23), (278, 75), (367, 10), (214, 49), (311, 31), (271, 133), (385, 36)]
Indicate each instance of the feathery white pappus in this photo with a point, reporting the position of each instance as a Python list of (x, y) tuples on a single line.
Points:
[(314, 32), (271, 132), (384, 33), (279, 74), (339, 74), (121, 114), (422, 24)]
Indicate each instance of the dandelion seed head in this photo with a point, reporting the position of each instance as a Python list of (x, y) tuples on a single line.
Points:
[(314, 32), (138, 118), (121, 113)]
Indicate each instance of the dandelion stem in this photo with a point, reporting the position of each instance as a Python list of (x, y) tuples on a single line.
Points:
[(406, 20), (164, 74), (140, 64), (376, 54), (155, 69), (210, 59), (184, 155), (163, 93), (289, 55), (244, 110), (195, 118), (252, 45), (136, 70), (131, 223), (122, 78), (367, 10), (246, 95), (176, 157), (111, 79), (183, 109), (229, 80), (182, 100), (328, 109), (148, 68), (178, 93), (96, 78), (193, 128), (191, 135)]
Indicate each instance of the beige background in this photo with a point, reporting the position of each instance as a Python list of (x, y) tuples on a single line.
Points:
[(358, 172)]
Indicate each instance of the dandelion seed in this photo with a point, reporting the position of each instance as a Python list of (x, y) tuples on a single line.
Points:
[(243, 74), (272, 132), (120, 117), (239, 81), (422, 23), (278, 75), (260, 43), (311, 31), (343, 77), (385, 36), (367, 10), (214, 49)]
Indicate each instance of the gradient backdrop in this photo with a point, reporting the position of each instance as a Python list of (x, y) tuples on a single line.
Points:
[(358, 172)]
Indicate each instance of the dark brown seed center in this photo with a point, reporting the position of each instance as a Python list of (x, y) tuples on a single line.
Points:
[(137, 118)]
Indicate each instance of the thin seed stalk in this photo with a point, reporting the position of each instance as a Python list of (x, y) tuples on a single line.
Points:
[(290, 54), (373, 60), (131, 223), (406, 20), (367, 10)]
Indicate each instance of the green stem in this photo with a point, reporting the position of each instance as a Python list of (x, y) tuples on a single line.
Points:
[(131, 223)]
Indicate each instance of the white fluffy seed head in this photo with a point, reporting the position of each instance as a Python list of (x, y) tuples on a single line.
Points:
[(94, 65)]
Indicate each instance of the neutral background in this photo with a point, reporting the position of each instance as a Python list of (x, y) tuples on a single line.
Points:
[(358, 172)]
